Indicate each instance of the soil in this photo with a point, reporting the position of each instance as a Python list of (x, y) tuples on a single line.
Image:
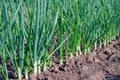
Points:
[(102, 64)]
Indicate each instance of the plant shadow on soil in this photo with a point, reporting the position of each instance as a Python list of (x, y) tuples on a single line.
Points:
[(113, 77)]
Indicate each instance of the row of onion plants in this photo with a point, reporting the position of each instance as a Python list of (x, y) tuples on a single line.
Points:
[(31, 31)]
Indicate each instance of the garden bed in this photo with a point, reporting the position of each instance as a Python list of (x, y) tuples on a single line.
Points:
[(102, 64), (59, 39)]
